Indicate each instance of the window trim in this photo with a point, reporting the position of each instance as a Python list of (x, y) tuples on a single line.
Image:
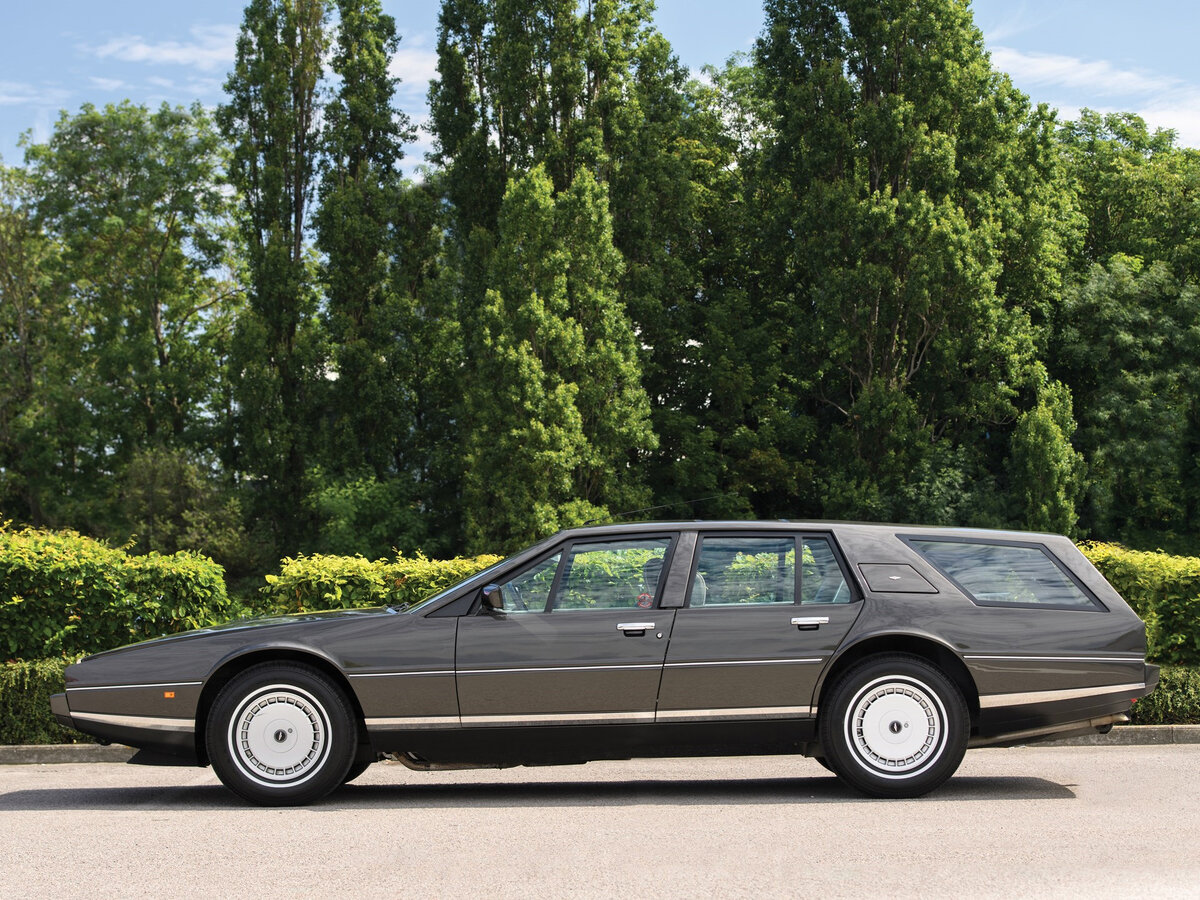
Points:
[(797, 538), (567, 549), (910, 541)]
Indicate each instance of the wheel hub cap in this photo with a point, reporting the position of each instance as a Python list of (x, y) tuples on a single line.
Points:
[(279, 735), (896, 727)]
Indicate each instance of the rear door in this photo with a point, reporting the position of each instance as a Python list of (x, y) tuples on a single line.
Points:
[(756, 629), (579, 639)]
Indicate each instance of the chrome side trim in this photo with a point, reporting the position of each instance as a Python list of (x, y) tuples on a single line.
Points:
[(148, 722), (560, 718), (402, 674), (747, 662), (994, 700), (122, 687), (558, 669), (725, 715), (404, 723), (1106, 659)]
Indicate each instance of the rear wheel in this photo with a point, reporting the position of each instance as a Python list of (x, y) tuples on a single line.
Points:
[(355, 770), (895, 726), (281, 734)]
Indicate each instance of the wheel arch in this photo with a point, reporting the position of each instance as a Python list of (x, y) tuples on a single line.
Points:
[(926, 648), (229, 669)]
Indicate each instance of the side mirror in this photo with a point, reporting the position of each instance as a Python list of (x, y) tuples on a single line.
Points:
[(493, 597)]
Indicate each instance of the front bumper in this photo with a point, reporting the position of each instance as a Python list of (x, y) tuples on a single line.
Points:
[(169, 736)]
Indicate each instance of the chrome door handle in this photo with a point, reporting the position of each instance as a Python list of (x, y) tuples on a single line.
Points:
[(635, 627), (809, 623)]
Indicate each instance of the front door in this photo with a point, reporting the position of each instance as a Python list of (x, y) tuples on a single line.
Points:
[(578, 638), (757, 629)]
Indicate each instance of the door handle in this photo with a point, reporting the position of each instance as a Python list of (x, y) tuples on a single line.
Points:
[(809, 623), (635, 627)]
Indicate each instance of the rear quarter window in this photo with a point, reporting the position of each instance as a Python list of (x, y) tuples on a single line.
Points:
[(1006, 574)]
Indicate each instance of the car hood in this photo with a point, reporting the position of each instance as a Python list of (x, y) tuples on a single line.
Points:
[(257, 622)]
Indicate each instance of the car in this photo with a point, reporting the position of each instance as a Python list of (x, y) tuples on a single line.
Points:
[(883, 651)]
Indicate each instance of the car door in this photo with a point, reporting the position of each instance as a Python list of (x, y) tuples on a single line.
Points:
[(577, 637), (756, 629)]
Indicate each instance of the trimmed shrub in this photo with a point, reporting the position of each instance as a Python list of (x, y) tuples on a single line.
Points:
[(1176, 700), (64, 594), (341, 582), (25, 717), (1165, 592)]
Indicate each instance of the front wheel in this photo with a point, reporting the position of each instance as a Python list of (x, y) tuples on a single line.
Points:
[(281, 734), (895, 726)]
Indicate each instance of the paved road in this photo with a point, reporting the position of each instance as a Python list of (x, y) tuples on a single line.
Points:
[(1052, 821)]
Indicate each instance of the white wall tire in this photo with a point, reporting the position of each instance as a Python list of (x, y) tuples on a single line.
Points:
[(281, 734), (894, 726)]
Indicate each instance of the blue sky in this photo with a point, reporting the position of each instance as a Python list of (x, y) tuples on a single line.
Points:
[(59, 54)]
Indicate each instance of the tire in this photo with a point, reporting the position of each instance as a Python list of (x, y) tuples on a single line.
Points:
[(356, 769), (281, 734), (894, 726)]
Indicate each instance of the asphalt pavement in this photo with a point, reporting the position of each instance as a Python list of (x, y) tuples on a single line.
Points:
[(1041, 821)]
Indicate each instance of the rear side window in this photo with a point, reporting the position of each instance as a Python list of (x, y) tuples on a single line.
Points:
[(995, 574)]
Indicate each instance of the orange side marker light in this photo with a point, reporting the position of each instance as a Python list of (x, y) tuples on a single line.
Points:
[(168, 695)]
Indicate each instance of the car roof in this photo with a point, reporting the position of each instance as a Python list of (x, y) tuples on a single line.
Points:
[(627, 528)]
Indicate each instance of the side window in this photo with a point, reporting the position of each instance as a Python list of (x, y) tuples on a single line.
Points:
[(1005, 574), (736, 571), (529, 591), (821, 578), (612, 575)]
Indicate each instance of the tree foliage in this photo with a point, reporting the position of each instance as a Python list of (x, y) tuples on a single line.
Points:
[(854, 273)]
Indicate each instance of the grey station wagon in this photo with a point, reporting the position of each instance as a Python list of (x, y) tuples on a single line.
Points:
[(882, 651)]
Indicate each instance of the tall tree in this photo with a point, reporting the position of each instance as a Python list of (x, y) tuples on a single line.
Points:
[(1134, 188), (557, 412), (272, 121), (359, 193), (896, 228), (1128, 344), (134, 198), (39, 340)]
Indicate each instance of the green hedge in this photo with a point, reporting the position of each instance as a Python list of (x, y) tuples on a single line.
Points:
[(1165, 592), (25, 718), (1176, 700), (338, 582), (64, 594)]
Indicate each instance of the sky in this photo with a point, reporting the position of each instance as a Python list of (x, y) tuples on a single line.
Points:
[(1107, 55)]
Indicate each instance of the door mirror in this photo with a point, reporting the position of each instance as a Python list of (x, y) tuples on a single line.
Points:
[(493, 597)]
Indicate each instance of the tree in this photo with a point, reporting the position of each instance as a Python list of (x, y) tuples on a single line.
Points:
[(1127, 343), (359, 192), (1045, 470), (1129, 181), (902, 244), (37, 337), (557, 413), (134, 199), (271, 120)]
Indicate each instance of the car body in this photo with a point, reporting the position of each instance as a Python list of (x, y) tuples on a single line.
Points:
[(882, 650)]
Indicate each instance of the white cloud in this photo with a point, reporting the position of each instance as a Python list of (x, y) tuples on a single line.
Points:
[(212, 47), (18, 93), (1067, 83), (107, 84), (415, 66), (1097, 76)]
